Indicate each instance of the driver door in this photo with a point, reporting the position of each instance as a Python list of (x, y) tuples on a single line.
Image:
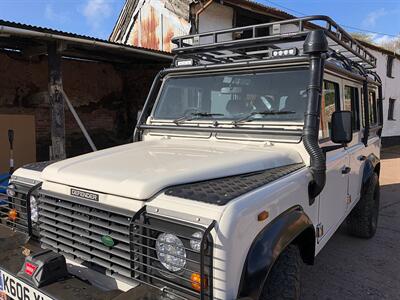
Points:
[(332, 200)]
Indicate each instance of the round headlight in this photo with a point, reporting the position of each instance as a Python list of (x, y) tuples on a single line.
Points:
[(34, 209), (195, 243), (11, 190), (171, 252)]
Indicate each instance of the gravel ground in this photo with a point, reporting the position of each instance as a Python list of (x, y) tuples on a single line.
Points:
[(352, 268)]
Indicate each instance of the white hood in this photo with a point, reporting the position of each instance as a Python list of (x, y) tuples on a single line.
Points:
[(140, 170)]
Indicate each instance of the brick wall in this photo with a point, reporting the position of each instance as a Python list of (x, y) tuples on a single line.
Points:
[(106, 97)]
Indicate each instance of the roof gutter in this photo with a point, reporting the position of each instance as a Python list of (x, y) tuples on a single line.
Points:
[(94, 43)]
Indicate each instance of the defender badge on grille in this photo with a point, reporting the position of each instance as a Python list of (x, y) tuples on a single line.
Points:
[(84, 195), (107, 241)]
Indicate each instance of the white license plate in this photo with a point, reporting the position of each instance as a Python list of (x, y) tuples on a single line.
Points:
[(18, 290)]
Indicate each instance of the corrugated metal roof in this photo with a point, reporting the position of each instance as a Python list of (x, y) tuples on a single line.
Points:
[(58, 34)]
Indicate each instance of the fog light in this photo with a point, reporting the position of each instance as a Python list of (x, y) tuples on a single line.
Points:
[(13, 215), (197, 282), (185, 63), (285, 52)]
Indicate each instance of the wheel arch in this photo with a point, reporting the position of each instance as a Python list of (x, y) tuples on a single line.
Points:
[(306, 243), (377, 169), (291, 227), (372, 165)]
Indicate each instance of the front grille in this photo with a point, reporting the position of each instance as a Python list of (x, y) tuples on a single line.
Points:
[(76, 229)]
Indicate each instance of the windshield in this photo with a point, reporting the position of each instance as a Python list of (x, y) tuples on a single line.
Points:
[(240, 98)]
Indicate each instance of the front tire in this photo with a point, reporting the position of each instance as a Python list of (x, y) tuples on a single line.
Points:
[(363, 219), (283, 282)]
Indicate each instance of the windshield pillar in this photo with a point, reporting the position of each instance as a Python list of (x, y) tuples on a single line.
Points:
[(151, 98)]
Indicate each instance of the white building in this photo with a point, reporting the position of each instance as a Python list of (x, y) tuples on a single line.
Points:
[(388, 68)]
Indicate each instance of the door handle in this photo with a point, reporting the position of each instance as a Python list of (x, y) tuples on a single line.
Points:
[(346, 170), (362, 158)]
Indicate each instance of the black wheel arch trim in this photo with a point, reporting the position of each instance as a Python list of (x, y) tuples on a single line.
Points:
[(371, 166), (267, 247)]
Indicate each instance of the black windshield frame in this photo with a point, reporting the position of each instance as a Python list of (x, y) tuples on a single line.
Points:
[(249, 72)]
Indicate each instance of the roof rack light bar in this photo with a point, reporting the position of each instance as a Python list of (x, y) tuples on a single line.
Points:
[(238, 41)]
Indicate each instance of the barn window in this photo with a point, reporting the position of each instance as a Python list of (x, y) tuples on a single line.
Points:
[(391, 109), (389, 66)]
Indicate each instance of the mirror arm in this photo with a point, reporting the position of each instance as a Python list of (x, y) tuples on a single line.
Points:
[(333, 148)]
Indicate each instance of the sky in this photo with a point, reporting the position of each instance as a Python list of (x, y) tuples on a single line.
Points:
[(88, 17), (378, 18), (97, 17)]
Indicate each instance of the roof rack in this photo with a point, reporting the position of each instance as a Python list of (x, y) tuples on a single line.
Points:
[(263, 41)]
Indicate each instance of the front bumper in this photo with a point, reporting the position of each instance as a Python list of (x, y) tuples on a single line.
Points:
[(13, 246)]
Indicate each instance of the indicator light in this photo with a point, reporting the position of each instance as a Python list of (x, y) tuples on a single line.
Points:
[(197, 282), (13, 215), (262, 216)]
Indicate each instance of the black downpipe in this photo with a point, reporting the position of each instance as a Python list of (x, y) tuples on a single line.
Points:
[(366, 112), (315, 45), (380, 107)]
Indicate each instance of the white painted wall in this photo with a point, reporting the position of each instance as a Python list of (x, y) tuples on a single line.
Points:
[(391, 89), (216, 17)]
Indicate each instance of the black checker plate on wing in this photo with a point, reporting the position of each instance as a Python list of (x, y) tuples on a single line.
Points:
[(38, 166), (222, 190)]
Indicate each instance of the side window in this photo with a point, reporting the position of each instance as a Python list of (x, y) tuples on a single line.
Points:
[(362, 108), (352, 103), (391, 109), (329, 104), (389, 66), (373, 114)]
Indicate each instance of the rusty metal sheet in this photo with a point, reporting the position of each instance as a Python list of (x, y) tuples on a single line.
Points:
[(155, 26)]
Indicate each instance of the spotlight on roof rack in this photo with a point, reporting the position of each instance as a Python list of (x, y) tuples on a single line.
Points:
[(184, 63), (285, 52)]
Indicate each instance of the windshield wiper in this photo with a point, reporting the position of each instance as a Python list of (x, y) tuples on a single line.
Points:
[(196, 114), (265, 113)]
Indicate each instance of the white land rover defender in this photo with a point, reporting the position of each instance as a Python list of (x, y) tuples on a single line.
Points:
[(250, 152)]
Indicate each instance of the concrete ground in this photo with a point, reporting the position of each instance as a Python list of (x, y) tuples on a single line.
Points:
[(352, 268)]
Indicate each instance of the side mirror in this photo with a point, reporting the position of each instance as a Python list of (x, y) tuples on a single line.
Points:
[(342, 129)]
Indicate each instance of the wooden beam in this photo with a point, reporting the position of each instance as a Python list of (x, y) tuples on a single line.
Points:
[(34, 51), (56, 102)]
